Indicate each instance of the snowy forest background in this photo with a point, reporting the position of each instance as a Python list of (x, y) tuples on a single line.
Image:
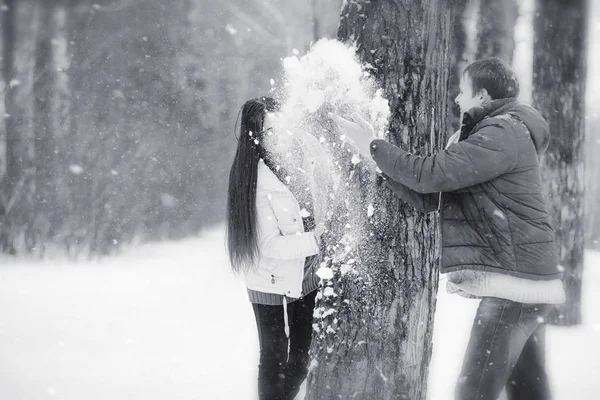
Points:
[(118, 134), (122, 113)]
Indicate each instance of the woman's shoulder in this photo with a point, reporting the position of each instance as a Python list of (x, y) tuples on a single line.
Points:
[(266, 179)]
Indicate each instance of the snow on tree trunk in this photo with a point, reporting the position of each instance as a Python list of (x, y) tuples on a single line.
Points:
[(374, 321), (559, 94), (497, 19)]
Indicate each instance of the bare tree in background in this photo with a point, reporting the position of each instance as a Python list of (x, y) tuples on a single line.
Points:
[(496, 37), (559, 81), (44, 126), (17, 184), (120, 113), (592, 149), (458, 58), (493, 36), (374, 328)]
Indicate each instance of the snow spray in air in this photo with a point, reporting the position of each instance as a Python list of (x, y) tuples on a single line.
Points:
[(329, 79)]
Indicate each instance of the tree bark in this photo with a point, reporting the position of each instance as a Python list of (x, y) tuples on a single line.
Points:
[(373, 328), (497, 29), (559, 93)]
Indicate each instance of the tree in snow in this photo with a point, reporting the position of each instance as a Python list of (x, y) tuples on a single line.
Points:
[(559, 82), (18, 182), (374, 316), (497, 19)]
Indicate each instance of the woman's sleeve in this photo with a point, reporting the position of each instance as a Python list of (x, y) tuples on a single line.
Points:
[(272, 243)]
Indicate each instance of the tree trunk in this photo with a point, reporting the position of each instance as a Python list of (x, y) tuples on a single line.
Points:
[(464, 49), (559, 93), (44, 124), (592, 172), (374, 327), (18, 190), (315, 21), (457, 59), (497, 29)]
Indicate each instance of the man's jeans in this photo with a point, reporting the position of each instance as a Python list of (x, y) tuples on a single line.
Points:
[(279, 374), (506, 350)]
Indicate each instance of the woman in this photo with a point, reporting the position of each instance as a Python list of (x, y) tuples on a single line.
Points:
[(273, 243)]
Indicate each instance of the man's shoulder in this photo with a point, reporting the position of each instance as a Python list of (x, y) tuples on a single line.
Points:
[(504, 123), (501, 121)]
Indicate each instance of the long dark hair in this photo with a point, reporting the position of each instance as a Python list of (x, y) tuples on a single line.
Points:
[(242, 243)]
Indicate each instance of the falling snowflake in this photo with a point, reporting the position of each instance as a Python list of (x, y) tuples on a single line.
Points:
[(304, 213), (231, 30), (325, 273), (76, 169), (370, 210)]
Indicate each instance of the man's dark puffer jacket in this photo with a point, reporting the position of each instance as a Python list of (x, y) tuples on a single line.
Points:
[(493, 217)]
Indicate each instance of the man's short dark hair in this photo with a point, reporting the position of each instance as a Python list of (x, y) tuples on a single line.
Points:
[(494, 75)]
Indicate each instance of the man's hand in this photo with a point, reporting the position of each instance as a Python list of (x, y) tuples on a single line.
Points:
[(359, 134)]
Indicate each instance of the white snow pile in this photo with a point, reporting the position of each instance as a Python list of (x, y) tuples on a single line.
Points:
[(330, 78)]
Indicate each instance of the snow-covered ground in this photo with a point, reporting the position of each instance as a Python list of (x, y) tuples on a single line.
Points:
[(169, 321)]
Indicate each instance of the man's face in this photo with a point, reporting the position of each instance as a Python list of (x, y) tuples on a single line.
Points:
[(466, 98)]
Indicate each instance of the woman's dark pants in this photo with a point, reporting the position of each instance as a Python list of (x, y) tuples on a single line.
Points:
[(280, 374)]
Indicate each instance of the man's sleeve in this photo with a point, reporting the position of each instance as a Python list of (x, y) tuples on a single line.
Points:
[(487, 154), (426, 203)]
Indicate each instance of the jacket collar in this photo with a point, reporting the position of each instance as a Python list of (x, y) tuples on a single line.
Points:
[(476, 114)]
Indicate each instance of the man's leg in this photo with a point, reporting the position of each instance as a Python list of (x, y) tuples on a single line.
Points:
[(528, 380), (301, 319), (273, 351), (494, 347)]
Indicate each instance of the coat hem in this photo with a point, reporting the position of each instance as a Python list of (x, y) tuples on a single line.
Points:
[(498, 270)]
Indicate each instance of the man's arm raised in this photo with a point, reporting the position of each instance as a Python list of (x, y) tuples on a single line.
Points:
[(485, 155)]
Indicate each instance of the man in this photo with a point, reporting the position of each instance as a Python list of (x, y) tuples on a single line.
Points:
[(497, 243)]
